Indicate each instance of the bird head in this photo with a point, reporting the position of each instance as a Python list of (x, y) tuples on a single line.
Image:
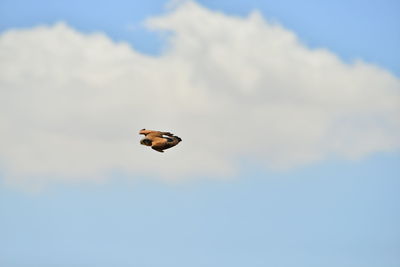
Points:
[(145, 142)]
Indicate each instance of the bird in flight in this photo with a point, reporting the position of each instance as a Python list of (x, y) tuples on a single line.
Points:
[(159, 141)]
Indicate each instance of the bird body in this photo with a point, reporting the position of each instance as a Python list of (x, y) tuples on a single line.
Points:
[(158, 140)]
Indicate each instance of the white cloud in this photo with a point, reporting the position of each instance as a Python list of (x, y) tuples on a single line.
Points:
[(71, 103)]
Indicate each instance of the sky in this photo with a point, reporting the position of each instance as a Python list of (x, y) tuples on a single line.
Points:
[(288, 111)]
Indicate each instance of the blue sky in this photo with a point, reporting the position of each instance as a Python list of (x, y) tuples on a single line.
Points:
[(352, 29), (335, 210)]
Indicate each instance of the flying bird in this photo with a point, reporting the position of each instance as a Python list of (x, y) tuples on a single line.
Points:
[(159, 141)]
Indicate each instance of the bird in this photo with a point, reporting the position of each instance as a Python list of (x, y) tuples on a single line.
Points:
[(159, 141)]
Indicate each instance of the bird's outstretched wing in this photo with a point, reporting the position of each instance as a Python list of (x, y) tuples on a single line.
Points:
[(152, 133)]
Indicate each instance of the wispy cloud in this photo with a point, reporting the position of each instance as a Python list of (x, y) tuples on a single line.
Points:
[(71, 103)]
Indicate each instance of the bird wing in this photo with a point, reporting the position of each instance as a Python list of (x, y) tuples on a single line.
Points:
[(154, 134)]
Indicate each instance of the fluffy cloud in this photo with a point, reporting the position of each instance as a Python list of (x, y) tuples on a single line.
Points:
[(71, 103)]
